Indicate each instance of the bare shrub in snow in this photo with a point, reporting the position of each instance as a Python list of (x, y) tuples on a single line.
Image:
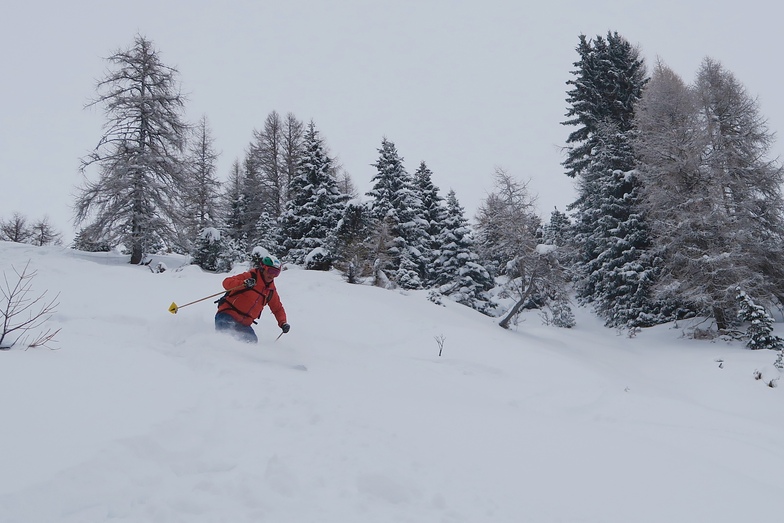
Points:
[(23, 314)]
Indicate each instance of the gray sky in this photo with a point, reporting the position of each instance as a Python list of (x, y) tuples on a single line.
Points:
[(466, 86)]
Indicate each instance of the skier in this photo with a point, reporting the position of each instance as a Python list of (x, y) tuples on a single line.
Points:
[(240, 308)]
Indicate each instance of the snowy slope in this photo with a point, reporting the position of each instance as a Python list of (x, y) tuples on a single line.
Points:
[(145, 416)]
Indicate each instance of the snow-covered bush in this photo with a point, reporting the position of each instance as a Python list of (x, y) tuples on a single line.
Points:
[(208, 249), (760, 330)]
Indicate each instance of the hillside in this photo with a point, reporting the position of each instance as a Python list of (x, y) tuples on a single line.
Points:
[(144, 416)]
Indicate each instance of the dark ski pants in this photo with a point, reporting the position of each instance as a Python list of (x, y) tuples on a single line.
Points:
[(225, 323)]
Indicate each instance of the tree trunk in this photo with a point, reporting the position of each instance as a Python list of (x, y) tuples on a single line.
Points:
[(519, 305), (136, 254), (721, 319)]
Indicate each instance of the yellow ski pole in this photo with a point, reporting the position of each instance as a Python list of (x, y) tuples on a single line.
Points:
[(173, 308)]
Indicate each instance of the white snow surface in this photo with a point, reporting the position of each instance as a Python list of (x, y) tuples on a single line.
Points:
[(140, 415)]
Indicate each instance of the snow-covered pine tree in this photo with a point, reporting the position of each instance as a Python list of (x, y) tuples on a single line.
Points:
[(615, 268), (433, 213), (412, 238), (397, 208), (267, 233), (388, 181), (207, 249), (559, 234), (760, 324), (140, 179), (562, 315), (315, 205), (558, 230), (353, 242), (457, 271), (407, 275), (83, 242), (231, 252)]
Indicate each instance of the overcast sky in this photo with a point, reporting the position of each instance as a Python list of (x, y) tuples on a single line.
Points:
[(466, 86)]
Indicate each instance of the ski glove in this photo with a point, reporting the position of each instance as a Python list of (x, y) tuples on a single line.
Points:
[(250, 283), (285, 328)]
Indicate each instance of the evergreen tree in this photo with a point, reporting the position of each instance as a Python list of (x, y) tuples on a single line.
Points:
[(216, 252), (134, 200), (389, 180), (407, 275), (413, 241), (558, 230), (433, 215), (354, 242), (207, 249), (315, 206), (610, 76), (231, 252), (615, 266), (397, 209), (562, 315), (760, 324), (82, 242), (268, 233), (457, 270)]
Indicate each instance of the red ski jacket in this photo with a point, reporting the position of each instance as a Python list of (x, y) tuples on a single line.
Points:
[(245, 304)]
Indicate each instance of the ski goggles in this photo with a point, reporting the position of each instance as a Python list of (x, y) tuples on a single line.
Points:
[(271, 264), (272, 271)]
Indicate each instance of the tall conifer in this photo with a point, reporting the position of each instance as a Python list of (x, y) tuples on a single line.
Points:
[(614, 267), (315, 206)]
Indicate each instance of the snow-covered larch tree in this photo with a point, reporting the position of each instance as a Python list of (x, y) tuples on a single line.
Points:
[(509, 238), (134, 201), (201, 204), (713, 196)]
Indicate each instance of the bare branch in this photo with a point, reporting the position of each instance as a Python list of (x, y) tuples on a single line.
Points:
[(23, 313)]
